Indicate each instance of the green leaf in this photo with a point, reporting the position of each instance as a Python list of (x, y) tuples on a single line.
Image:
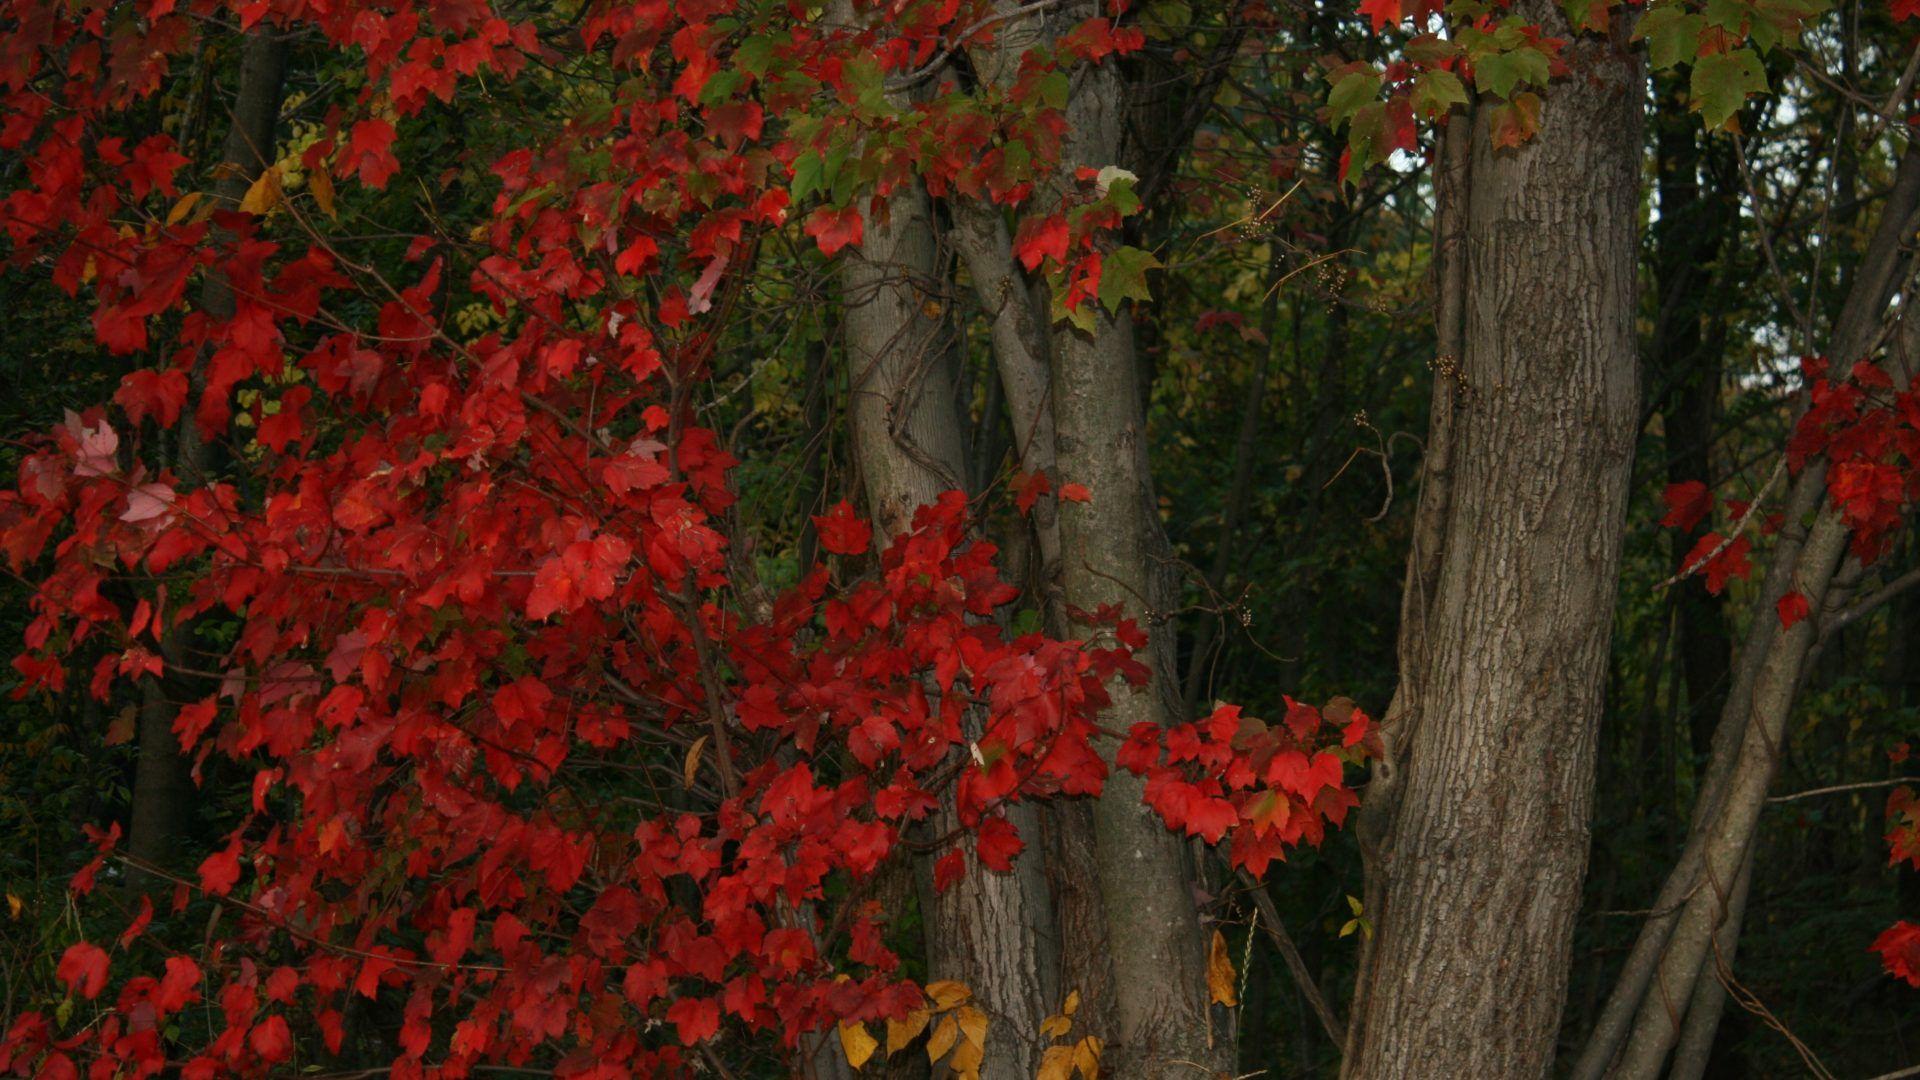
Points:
[(1053, 89), (721, 87), (1672, 34), (1729, 15), (1081, 318), (807, 175), (1501, 72), (1437, 91), (1350, 92), (754, 54), (1123, 276), (1721, 83)]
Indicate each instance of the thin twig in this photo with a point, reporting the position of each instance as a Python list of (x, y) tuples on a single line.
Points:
[(1739, 527), (1837, 788)]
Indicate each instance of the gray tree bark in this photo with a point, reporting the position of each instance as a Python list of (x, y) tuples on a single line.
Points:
[(1478, 823), (988, 931), (1160, 1005)]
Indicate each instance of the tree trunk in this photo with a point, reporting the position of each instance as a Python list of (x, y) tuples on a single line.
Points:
[(1674, 943), (1480, 827), (984, 931), (162, 783), (1107, 548), (1683, 359)]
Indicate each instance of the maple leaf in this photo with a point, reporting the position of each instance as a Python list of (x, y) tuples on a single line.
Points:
[(1040, 239), (1899, 949), (179, 987), (1381, 13), (271, 1039), (221, 870), (1719, 564), (1687, 503), (694, 1019), (948, 870), (841, 531), (83, 967), (1792, 608), (997, 844), (98, 445), (369, 152), (1220, 973), (834, 229)]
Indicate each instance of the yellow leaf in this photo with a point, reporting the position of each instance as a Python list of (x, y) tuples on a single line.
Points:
[(944, 1036), (973, 1024), (692, 767), (858, 1044), (1055, 1026), (1086, 1057), (320, 182), (14, 905), (1056, 1064), (264, 194), (946, 993), (1220, 972), (967, 1059), (902, 1032), (1072, 1004), (182, 208)]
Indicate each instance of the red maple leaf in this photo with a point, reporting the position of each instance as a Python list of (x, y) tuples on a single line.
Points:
[(1382, 13), (83, 967), (834, 229), (1792, 608), (1899, 949), (841, 530), (1041, 238), (1687, 503)]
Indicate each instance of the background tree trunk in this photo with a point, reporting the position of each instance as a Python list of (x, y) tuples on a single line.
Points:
[(1640, 1022), (162, 800), (1482, 818)]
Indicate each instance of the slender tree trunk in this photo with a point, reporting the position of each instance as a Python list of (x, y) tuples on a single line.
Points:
[(1639, 1023), (1683, 359), (1480, 831), (988, 930), (162, 799), (1107, 549)]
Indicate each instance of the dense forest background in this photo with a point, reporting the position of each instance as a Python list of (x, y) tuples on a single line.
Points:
[(1287, 362)]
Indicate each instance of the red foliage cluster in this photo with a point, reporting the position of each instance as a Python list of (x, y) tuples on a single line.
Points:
[(469, 572)]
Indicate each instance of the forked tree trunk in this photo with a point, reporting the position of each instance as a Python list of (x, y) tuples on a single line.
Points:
[(1107, 553), (1478, 819), (988, 930), (1701, 901), (162, 799)]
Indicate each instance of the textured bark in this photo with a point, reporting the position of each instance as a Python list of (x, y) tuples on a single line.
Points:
[(1765, 682), (1157, 950), (1480, 839), (162, 799), (1019, 340), (987, 931), (1020, 351)]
